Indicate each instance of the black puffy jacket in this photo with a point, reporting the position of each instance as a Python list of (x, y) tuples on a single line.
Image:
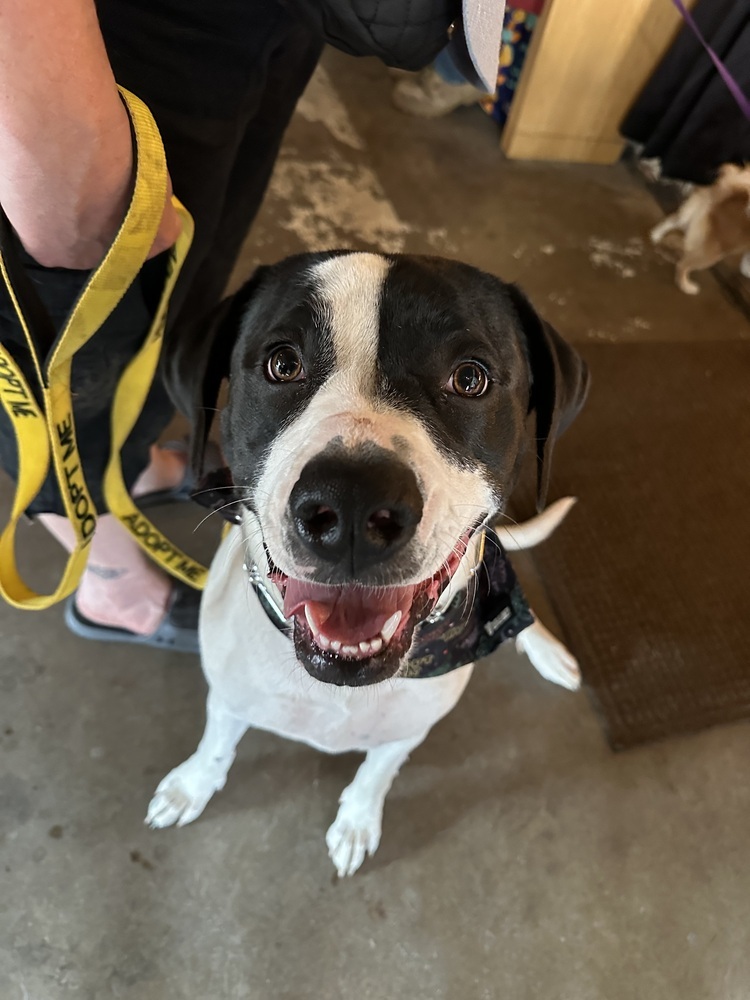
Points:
[(407, 34)]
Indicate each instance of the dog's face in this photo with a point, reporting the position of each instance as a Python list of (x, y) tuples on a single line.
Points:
[(376, 418)]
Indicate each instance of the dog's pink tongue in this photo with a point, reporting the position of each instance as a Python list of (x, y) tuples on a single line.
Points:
[(347, 614)]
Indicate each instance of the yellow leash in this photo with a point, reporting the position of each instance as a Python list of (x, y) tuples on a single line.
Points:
[(47, 435)]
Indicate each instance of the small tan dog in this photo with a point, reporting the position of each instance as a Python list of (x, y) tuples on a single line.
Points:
[(715, 221)]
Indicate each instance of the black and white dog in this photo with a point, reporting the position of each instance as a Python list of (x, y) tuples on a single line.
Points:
[(375, 427)]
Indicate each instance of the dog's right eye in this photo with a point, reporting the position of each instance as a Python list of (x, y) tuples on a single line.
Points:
[(285, 365), (470, 379)]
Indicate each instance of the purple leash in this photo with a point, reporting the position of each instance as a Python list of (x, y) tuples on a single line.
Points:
[(734, 88)]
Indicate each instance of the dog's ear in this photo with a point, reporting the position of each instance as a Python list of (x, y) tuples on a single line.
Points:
[(559, 385), (199, 361)]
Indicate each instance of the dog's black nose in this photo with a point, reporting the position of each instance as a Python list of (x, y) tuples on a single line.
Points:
[(355, 512)]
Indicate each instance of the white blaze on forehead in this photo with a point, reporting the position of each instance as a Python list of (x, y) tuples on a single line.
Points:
[(350, 289)]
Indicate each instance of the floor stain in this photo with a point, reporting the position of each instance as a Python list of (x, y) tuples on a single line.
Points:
[(137, 858)]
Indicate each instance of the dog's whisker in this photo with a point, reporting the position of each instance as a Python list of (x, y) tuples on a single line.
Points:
[(237, 542), (506, 515), (217, 510), (211, 514), (515, 524), (212, 489), (495, 544)]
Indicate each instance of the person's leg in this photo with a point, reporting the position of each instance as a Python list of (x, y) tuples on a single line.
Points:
[(123, 588), (436, 91), (119, 600), (447, 70), (289, 69), (131, 592), (165, 471)]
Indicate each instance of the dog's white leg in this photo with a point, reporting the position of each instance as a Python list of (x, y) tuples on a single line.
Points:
[(745, 265), (356, 830), (185, 792), (680, 219), (667, 225), (549, 656)]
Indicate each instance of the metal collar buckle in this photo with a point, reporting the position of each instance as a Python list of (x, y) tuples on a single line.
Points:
[(267, 599)]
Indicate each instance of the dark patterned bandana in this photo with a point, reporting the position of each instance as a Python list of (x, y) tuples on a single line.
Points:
[(491, 610)]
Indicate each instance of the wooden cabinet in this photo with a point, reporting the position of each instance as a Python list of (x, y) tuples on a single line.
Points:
[(587, 62)]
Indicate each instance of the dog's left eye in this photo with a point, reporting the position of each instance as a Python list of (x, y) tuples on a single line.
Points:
[(470, 378), (285, 365)]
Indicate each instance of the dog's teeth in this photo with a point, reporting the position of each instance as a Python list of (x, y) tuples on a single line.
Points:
[(364, 647), (388, 630), (311, 620), (322, 612), (323, 641), (335, 645), (376, 645), (317, 615), (349, 650)]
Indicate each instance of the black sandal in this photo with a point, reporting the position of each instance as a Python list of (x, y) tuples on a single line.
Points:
[(177, 631)]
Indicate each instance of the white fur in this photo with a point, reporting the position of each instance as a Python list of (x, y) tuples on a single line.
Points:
[(534, 531), (255, 681), (351, 287), (549, 656)]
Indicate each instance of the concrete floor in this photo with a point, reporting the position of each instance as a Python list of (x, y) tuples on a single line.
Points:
[(520, 859)]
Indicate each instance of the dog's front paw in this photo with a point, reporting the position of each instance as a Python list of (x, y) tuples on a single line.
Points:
[(183, 795), (354, 834), (549, 656)]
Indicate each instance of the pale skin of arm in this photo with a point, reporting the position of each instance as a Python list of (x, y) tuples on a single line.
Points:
[(66, 158)]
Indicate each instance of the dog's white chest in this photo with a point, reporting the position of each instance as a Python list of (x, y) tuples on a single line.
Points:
[(250, 665)]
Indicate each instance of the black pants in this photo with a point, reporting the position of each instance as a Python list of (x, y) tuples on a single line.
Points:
[(222, 79)]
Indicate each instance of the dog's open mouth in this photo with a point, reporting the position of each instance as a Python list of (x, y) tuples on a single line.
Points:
[(354, 635)]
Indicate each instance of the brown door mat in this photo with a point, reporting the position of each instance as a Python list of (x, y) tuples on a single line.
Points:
[(650, 575)]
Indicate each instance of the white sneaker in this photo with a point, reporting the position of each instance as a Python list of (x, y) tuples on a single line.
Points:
[(427, 95)]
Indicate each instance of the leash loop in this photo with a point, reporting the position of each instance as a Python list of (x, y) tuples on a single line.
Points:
[(44, 424)]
